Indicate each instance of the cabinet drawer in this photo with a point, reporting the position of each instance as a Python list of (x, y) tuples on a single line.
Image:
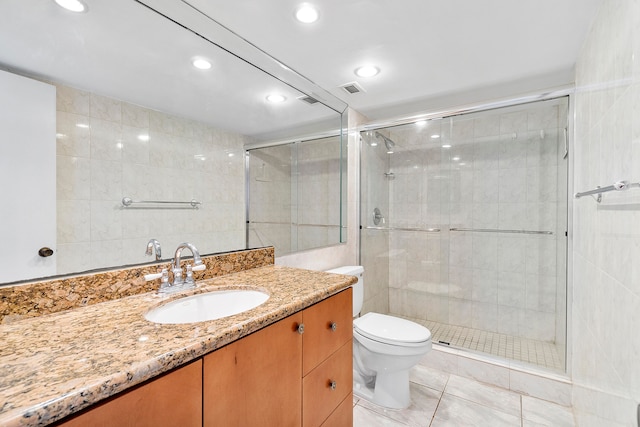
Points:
[(343, 415), (327, 326), (319, 397)]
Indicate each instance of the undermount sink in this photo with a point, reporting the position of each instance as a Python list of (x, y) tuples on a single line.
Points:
[(208, 306)]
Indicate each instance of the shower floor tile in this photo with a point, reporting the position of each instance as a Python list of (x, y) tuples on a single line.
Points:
[(540, 353)]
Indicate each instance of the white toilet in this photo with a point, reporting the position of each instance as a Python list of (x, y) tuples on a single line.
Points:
[(385, 348)]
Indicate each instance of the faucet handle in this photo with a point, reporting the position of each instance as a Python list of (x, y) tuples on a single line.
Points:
[(199, 267), (153, 276)]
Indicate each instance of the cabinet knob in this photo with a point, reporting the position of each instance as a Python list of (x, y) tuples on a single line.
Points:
[(301, 328), (332, 385), (333, 326), (45, 252)]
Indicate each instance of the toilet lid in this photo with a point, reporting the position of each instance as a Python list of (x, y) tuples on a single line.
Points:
[(381, 327)]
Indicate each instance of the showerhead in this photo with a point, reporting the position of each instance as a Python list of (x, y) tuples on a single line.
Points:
[(387, 142)]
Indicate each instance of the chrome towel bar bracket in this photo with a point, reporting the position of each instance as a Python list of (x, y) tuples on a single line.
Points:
[(616, 186)]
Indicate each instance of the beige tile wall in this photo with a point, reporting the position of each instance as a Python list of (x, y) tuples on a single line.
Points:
[(606, 282), (108, 149)]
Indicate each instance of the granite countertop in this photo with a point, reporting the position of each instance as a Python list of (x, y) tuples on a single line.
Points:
[(54, 365)]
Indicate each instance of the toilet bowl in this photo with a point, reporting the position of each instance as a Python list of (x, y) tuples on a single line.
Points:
[(385, 348)]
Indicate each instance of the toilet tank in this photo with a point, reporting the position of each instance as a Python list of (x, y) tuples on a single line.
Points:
[(358, 287)]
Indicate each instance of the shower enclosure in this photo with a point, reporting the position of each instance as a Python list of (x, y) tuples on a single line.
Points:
[(463, 228)]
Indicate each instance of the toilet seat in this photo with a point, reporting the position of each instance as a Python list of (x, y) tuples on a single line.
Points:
[(391, 330)]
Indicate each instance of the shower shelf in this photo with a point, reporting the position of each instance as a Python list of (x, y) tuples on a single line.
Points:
[(425, 230), (492, 230), (616, 186)]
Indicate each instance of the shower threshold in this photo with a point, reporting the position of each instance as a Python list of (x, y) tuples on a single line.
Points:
[(540, 353)]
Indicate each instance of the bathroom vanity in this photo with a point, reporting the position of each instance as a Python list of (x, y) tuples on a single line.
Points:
[(285, 362)]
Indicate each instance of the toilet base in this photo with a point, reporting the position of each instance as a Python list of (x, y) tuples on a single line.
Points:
[(390, 391)]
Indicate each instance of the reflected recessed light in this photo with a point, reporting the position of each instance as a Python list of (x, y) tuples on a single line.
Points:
[(201, 64), (307, 14), (367, 71), (435, 136), (72, 5), (82, 125), (143, 137), (276, 98), (446, 146), (455, 159), (421, 123), (462, 164)]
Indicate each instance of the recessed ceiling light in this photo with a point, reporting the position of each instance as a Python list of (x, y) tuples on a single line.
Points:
[(446, 146), (421, 123), (307, 14), (455, 159), (276, 98), (72, 5), (367, 71), (82, 125), (201, 64), (143, 137), (435, 136)]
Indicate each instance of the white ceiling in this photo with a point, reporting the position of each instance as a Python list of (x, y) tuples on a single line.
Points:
[(426, 49), (432, 53)]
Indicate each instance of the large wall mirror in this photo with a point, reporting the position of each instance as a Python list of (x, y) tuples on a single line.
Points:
[(135, 119), (295, 193)]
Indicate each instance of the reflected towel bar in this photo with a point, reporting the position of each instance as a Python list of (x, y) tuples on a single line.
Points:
[(128, 202), (492, 230), (616, 186)]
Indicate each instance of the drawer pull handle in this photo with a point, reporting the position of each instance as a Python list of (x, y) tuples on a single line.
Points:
[(301, 328), (333, 326), (332, 385)]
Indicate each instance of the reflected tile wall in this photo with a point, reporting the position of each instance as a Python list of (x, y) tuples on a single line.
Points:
[(501, 172), (606, 282), (108, 149)]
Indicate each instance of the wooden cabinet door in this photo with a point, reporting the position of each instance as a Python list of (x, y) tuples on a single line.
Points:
[(256, 381), (327, 326), (174, 399)]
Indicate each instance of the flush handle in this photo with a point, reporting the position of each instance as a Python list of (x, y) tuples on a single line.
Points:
[(45, 252)]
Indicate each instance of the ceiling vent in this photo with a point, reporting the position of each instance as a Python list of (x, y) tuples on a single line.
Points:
[(308, 99), (352, 88)]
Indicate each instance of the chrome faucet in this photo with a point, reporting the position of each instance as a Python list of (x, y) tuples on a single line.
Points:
[(179, 284), (177, 269), (154, 245)]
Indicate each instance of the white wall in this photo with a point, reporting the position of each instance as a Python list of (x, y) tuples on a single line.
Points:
[(606, 256)]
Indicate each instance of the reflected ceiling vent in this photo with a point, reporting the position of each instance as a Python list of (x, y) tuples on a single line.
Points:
[(352, 88), (308, 99)]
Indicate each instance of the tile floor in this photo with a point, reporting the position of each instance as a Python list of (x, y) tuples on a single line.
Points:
[(443, 399), (540, 353)]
